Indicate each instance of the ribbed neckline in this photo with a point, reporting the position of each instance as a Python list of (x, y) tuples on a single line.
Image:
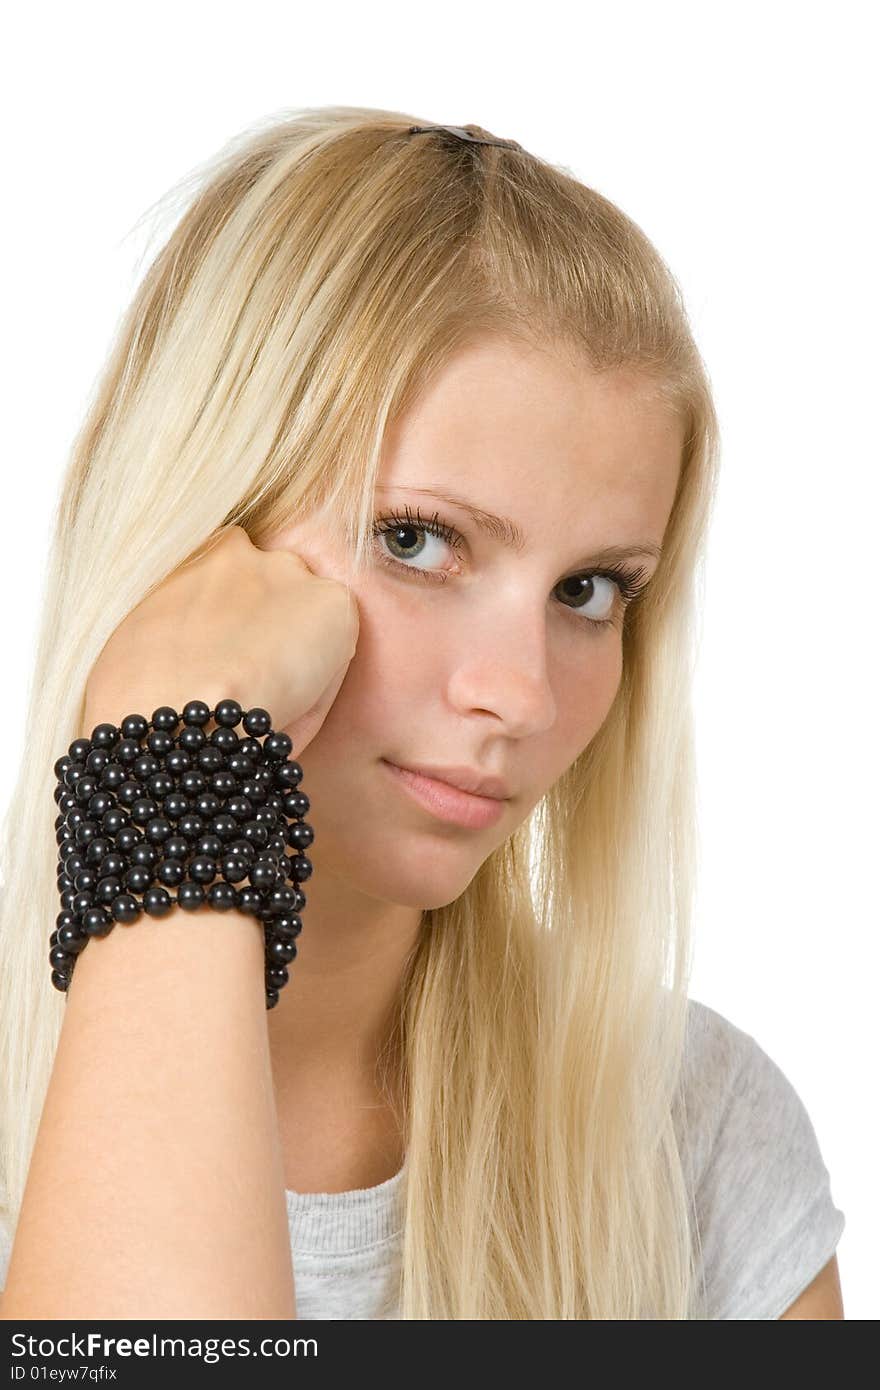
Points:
[(334, 1222)]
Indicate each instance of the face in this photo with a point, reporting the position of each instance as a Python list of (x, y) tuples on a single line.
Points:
[(496, 648)]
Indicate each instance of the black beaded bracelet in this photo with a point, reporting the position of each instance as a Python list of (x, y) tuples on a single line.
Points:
[(139, 820)]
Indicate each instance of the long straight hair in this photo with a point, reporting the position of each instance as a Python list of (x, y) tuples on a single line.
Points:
[(323, 266)]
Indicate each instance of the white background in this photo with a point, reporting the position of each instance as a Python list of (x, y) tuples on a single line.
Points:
[(742, 138)]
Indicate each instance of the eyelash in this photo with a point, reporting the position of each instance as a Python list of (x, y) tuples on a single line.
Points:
[(629, 582)]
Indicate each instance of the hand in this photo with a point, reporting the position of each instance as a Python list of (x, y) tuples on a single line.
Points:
[(255, 626)]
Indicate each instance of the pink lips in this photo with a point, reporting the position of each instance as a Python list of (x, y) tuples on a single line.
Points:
[(447, 802), (465, 778)]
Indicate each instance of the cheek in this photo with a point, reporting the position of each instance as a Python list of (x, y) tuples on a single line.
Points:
[(400, 620), (394, 655), (586, 689)]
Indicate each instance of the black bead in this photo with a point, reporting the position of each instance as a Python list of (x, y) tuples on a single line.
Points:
[(202, 869), (209, 758), (225, 741), (113, 821), (233, 868), (222, 896), (85, 787), (98, 847), (138, 878), (301, 835), (145, 767), (161, 785), (262, 875), (179, 762), (160, 743), (143, 810), (302, 868), (228, 713), (210, 844), (130, 792), (171, 872), (240, 806), (104, 736), (287, 927), (125, 908), (60, 959), (165, 718), (72, 938), (158, 829), (112, 775), (280, 952), (242, 767), (97, 922), (255, 833), (196, 713), (157, 902), (281, 899), (190, 896), (127, 838), (191, 826), (257, 722), (207, 804), (108, 888), (176, 804), (248, 900), (191, 740), (142, 853), (226, 826), (278, 746), (134, 726), (242, 849), (289, 775)]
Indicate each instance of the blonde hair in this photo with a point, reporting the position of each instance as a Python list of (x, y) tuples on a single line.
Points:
[(324, 266)]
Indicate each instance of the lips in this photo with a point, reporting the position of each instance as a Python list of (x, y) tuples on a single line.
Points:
[(465, 779), (444, 802)]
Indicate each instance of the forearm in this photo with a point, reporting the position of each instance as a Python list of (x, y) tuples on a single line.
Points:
[(156, 1186)]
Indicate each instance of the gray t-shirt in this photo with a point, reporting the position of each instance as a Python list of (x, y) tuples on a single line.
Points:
[(766, 1219)]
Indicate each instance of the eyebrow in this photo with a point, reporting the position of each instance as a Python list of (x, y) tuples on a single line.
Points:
[(511, 536)]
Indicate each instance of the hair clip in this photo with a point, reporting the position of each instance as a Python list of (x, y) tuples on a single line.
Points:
[(461, 134)]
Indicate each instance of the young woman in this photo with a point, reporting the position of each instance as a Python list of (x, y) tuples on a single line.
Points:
[(406, 439)]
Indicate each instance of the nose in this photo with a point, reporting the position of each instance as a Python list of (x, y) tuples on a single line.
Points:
[(506, 673)]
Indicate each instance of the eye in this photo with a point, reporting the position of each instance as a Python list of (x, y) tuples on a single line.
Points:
[(579, 590), (400, 530), (403, 533)]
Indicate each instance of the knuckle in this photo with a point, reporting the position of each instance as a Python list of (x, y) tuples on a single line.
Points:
[(234, 537), (237, 535)]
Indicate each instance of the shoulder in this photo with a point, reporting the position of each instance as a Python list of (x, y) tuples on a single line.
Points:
[(765, 1220)]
